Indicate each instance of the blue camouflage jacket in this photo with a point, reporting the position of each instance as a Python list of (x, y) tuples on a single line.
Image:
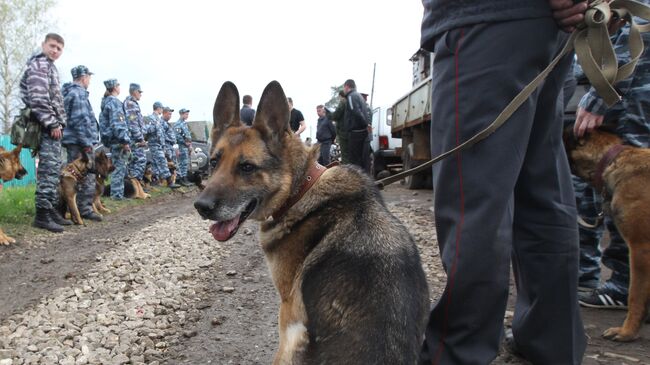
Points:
[(113, 111), (170, 136), (40, 90), (134, 119), (154, 131), (183, 135), (630, 116), (81, 129)]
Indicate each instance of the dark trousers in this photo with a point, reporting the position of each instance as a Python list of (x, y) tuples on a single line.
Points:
[(324, 157), (507, 199), (48, 172), (359, 149)]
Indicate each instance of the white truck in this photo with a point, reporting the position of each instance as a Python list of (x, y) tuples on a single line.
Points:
[(386, 150), (411, 121)]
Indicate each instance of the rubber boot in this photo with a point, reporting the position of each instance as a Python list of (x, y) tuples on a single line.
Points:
[(44, 221), (91, 215), (171, 184), (58, 219)]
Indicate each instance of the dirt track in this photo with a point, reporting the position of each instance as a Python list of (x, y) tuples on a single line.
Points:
[(223, 311)]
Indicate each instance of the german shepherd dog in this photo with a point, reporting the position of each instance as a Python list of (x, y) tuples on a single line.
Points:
[(71, 175), (132, 189), (103, 167), (348, 273), (10, 168), (622, 174)]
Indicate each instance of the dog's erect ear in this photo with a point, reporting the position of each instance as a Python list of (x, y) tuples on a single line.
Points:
[(226, 110), (273, 110)]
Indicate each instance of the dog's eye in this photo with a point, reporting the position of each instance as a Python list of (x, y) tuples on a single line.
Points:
[(214, 162), (247, 167)]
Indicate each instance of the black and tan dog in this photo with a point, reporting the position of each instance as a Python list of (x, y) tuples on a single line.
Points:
[(103, 167), (348, 273), (10, 168), (622, 174), (71, 175)]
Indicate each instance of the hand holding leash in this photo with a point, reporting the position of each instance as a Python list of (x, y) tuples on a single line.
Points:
[(568, 14)]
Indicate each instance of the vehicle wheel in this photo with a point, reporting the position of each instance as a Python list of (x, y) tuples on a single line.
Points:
[(416, 181)]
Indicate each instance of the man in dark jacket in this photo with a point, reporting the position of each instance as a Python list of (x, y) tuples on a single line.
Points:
[(81, 134), (508, 197), (325, 135), (41, 91), (247, 113), (355, 122)]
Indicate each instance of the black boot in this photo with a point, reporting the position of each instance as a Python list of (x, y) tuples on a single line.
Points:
[(185, 182), (171, 184), (44, 221), (58, 219), (89, 214)]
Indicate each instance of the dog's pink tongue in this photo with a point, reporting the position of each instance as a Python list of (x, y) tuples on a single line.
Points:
[(222, 231)]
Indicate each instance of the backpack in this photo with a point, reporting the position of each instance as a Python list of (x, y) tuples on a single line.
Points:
[(26, 130)]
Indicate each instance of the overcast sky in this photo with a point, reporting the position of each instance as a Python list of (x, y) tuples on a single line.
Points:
[(180, 52)]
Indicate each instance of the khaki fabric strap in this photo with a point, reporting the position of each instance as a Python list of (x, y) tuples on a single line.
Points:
[(596, 56)]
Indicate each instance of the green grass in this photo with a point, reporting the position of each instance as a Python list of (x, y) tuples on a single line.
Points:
[(17, 208)]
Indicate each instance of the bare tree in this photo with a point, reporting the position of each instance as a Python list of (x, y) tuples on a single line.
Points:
[(23, 25)]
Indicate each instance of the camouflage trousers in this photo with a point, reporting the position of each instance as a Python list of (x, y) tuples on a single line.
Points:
[(159, 163), (86, 186), (120, 159), (615, 256), (138, 162), (48, 172), (183, 161)]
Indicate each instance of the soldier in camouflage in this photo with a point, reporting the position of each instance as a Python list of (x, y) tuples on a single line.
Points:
[(136, 132), (156, 140), (628, 118), (112, 114), (81, 134), (170, 136), (41, 91), (184, 141)]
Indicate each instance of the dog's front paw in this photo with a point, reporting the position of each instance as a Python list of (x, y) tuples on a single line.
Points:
[(619, 334), (6, 240)]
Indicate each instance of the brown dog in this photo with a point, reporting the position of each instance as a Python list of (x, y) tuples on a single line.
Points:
[(10, 168), (103, 167), (71, 175), (348, 273), (622, 174)]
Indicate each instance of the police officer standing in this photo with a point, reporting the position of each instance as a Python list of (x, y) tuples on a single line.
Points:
[(136, 127), (170, 136), (184, 141), (115, 135), (41, 91), (81, 134), (156, 140)]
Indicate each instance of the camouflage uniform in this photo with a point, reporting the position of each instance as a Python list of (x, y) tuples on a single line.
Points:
[(113, 111), (342, 135), (170, 139), (628, 119), (183, 139), (41, 91), (81, 133), (136, 130), (156, 140)]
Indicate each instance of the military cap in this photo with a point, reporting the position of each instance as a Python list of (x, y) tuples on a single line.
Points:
[(183, 111), (111, 83), (134, 87), (79, 71), (167, 109), (157, 105)]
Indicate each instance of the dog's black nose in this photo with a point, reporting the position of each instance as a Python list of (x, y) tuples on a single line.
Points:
[(204, 207)]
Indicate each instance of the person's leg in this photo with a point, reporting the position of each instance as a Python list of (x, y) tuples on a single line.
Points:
[(183, 162), (343, 146), (48, 172), (324, 158), (117, 176), (546, 255), (160, 168), (356, 144), (137, 164), (473, 189), (590, 253)]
